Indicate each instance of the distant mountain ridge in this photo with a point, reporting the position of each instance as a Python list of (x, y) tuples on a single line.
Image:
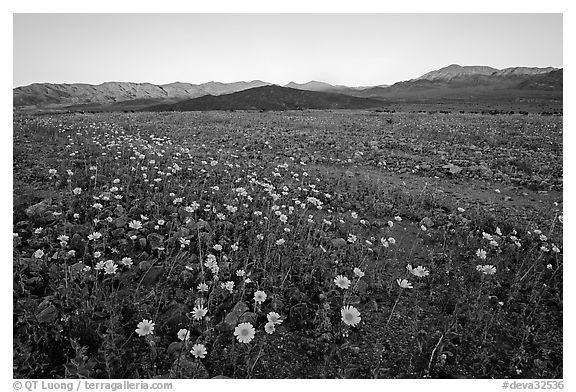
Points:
[(312, 85), (454, 82), (455, 70), (458, 71), (109, 92), (271, 97), (472, 83), (328, 88)]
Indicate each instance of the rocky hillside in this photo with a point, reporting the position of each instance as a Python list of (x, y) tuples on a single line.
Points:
[(271, 98), (111, 92)]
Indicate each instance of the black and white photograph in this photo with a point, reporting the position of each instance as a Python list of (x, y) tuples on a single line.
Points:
[(287, 196)]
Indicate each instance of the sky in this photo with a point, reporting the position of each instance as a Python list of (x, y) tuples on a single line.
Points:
[(346, 49)]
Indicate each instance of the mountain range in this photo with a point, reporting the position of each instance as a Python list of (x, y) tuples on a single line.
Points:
[(271, 97), (454, 82), (455, 71), (110, 92)]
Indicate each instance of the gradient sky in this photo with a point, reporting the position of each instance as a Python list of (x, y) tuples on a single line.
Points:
[(348, 49)]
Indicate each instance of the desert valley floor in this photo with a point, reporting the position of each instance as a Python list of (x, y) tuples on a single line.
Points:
[(296, 244)]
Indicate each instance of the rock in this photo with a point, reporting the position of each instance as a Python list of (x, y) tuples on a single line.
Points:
[(77, 243), (119, 210), (427, 222), (149, 204), (175, 318), (338, 242), (76, 269), (504, 177), (349, 173), (362, 286), (183, 232), (277, 304), (119, 232), (39, 209), (22, 225), (47, 313), (231, 319), (149, 225), (248, 317), (425, 166), (203, 225), (175, 348), (156, 240), (299, 314), (187, 368), (135, 211), (354, 300), (486, 173), (373, 305), (80, 229), (221, 225), (120, 222), (101, 179), (220, 376), (295, 295), (142, 242), (326, 337), (144, 265), (207, 237), (152, 276), (453, 169)]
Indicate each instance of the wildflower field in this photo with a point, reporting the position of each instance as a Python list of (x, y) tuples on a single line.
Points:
[(302, 244)]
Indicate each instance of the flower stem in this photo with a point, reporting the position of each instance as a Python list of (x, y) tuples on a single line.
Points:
[(394, 307)]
